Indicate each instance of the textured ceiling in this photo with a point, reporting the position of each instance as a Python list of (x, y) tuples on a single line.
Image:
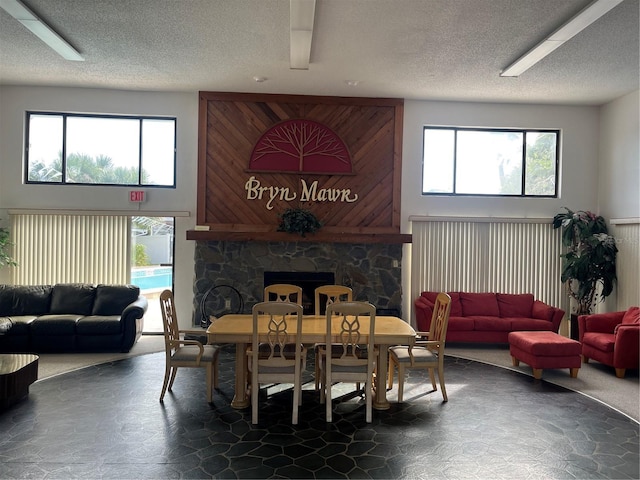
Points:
[(413, 49)]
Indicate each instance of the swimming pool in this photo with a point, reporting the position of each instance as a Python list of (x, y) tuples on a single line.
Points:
[(152, 278)]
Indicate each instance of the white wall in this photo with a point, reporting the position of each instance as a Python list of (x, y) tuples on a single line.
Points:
[(619, 189), (15, 101), (583, 177)]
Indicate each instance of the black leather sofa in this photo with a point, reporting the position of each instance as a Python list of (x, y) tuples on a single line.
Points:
[(70, 317)]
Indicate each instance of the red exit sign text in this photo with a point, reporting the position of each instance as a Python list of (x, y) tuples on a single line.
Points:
[(136, 196)]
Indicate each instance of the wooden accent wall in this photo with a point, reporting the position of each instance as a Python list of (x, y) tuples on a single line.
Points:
[(231, 123)]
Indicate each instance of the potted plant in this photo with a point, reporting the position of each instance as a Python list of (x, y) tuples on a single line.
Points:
[(5, 244), (589, 269), (298, 220)]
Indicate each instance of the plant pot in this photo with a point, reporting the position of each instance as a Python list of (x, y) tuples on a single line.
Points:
[(573, 327)]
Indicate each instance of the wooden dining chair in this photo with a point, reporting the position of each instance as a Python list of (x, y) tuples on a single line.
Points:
[(428, 350), (282, 358), (283, 292), (351, 357), (184, 353), (325, 295)]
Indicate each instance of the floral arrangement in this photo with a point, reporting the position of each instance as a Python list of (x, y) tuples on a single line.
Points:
[(298, 220), (589, 269)]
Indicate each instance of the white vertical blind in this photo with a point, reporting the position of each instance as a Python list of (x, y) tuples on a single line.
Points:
[(484, 256), (53, 249), (627, 264)]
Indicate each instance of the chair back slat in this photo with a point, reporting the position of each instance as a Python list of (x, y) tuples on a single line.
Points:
[(331, 294), (283, 292)]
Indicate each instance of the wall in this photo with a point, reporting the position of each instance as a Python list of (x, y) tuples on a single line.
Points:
[(15, 101), (578, 163), (579, 168)]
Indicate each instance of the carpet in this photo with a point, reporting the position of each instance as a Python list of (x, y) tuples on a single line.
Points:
[(594, 379)]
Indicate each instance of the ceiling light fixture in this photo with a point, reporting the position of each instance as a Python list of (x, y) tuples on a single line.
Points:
[(26, 17), (574, 26), (301, 14)]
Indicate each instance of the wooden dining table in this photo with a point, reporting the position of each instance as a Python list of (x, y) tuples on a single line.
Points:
[(238, 329)]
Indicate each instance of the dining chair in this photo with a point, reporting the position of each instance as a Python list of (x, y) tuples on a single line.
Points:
[(428, 350), (184, 353), (351, 357), (283, 292), (282, 358), (325, 295)]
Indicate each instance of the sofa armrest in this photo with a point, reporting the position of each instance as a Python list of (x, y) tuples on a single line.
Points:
[(424, 312), (542, 311), (627, 346), (131, 325)]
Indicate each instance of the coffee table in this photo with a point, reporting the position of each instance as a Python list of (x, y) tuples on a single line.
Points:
[(17, 372)]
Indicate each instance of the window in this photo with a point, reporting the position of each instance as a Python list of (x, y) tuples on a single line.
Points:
[(475, 161), (67, 148)]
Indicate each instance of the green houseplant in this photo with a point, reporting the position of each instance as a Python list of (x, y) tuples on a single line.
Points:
[(589, 268), (298, 220), (5, 244)]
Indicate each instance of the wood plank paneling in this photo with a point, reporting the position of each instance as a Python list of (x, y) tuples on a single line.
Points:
[(231, 124)]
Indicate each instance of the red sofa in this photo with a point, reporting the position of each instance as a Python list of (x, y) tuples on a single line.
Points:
[(489, 317), (611, 338)]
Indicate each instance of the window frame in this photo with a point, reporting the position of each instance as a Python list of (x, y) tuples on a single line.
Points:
[(523, 131), (66, 115)]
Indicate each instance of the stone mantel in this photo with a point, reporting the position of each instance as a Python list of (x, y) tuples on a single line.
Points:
[(240, 236)]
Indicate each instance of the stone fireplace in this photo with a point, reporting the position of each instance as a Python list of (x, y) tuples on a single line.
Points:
[(371, 270)]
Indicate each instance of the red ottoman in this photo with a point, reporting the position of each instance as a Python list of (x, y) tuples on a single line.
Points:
[(543, 350)]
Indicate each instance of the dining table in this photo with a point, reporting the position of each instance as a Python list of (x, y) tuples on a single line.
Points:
[(238, 329)]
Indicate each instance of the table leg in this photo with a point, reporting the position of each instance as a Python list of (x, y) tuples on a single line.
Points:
[(380, 401), (241, 399)]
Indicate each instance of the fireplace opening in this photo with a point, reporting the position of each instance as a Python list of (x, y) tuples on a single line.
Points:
[(308, 281)]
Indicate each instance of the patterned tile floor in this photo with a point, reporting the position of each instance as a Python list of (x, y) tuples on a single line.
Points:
[(106, 422)]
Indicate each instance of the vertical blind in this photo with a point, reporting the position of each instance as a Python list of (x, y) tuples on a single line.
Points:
[(627, 264), (53, 249), (488, 256)]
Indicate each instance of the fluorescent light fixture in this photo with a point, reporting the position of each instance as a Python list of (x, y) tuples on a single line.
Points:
[(26, 17), (301, 14), (574, 26)]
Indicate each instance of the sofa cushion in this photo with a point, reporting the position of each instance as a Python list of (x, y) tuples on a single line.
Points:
[(515, 305), (631, 316), (24, 300), (601, 341), (460, 324), (20, 324), (524, 324), (53, 325), (72, 298), (485, 304), (99, 325), (113, 299), (487, 323)]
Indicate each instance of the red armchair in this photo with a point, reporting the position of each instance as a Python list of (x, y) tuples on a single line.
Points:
[(611, 338)]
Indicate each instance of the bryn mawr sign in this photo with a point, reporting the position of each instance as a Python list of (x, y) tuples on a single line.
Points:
[(307, 193)]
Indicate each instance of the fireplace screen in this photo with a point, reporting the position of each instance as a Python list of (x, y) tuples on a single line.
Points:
[(309, 281)]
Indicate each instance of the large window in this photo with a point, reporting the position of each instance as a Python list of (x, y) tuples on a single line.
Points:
[(67, 148), (475, 161)]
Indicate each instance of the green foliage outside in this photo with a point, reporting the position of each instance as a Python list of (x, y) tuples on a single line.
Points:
[(540, 169), (82, 168), (140, 257), (5, 244)]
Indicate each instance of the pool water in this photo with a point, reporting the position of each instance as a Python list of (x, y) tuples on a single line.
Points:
[(152, 278)]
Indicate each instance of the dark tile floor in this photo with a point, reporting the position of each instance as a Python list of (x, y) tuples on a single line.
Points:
[(106, 422)]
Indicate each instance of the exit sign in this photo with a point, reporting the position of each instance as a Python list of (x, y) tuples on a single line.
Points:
[(136, 196)]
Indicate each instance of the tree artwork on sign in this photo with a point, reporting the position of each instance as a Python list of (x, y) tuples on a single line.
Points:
[(303, 146)]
